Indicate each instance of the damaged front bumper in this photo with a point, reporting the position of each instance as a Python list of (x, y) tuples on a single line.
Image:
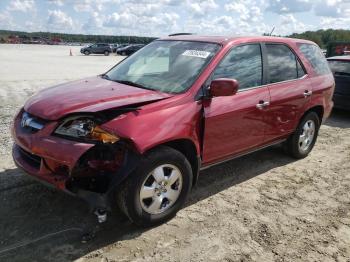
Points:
[(89, 171)]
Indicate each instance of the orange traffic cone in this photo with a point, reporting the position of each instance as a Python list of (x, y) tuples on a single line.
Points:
[(70, 52)]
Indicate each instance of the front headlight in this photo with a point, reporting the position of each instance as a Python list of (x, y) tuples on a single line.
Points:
[(83, 127)]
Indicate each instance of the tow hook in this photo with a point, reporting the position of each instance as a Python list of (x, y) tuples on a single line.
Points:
[(101, 215)]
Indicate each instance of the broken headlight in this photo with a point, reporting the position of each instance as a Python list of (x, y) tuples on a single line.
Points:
[(82, 127)]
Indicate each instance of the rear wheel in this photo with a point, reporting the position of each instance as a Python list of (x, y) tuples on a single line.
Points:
[(106, 53), (300, 144), (157, 189)]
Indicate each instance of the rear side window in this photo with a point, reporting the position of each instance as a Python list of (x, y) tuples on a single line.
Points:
[(316, 58), (340, 67), (243, 63), (282, 63)]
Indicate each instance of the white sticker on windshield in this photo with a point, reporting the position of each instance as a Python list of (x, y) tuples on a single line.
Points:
[(196, 53)]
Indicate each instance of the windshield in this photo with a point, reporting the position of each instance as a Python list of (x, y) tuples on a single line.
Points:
[(166, 66), (339, 67)]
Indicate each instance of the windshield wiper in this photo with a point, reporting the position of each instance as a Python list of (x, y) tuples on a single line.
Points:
[(131, 83)]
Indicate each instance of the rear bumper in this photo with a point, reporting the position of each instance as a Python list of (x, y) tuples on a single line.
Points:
[(341, 101)]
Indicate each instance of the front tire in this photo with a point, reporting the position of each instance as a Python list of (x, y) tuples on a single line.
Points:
[(302, 141), (106, 53), (157, 189), (86, 53)]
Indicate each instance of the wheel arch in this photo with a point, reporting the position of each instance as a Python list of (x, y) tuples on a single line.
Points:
[(318, 109), (188, 148)]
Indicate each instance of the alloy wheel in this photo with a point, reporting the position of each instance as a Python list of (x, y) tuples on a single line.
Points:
[(161, 189), (307, 135)]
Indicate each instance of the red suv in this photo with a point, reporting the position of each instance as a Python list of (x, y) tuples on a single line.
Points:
[(140, 133)]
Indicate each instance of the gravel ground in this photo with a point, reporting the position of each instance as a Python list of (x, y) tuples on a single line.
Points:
[(261, 207)]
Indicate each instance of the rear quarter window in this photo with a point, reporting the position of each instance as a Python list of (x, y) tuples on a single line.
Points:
[(317, 60)]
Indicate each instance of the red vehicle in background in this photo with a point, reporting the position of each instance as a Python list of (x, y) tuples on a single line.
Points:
[(140, 133)]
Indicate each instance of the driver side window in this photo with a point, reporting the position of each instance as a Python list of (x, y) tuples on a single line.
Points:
[(243, 63)]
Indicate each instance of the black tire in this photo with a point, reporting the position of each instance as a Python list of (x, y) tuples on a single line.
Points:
[(128, 195), (106, 53), (292, 145), (123, 53), (86, 52)]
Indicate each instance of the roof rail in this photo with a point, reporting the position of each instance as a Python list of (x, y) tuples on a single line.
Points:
[(180, 34)]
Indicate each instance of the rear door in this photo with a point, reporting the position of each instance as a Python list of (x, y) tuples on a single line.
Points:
[(101, 48), (235, 124), (290, 90)]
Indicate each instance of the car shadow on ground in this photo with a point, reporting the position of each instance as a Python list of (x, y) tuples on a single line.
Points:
[(339, 118), (41, 224)]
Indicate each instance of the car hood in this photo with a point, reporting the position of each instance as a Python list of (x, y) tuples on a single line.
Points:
[(87, 95)]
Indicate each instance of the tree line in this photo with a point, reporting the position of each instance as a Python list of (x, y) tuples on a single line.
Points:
[(324, 37), (321, 37), (76, 38)]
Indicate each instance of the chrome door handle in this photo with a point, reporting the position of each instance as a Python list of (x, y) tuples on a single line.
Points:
[(262, 105), (307, 93)]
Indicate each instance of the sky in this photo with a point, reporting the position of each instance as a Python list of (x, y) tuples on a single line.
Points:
[(162, 17)]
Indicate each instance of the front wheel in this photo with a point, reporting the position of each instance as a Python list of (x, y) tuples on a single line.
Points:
[(300, 144), (106, 53), (86, 53), (157, 189)]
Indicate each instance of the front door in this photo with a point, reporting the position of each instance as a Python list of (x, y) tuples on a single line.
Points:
[(235, 124)]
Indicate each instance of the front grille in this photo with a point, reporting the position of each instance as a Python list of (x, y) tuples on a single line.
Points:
[(31, 159), (31, 123)]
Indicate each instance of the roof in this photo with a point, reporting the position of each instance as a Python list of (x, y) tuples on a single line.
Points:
[(342, 58), (228, 39)]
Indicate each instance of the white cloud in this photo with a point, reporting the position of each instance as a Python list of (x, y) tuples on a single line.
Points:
[(202, 7), (335, 23), (333, 8), (290, 6), (161, 17), (21, 5), (288, 23), (93, 24), (6, 21), (56, 2), (59, 21), (88, 5), (246, 10), (140, 22)]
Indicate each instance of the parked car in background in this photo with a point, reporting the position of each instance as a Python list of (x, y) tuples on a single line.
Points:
[(97, 49), (340, 66), (141, 132), (338, 48), (130, 49), (116, 46)]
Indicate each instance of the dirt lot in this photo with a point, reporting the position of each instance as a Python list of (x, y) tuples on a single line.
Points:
[(262, 207)]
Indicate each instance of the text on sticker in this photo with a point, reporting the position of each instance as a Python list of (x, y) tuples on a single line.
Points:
[(196, 53)]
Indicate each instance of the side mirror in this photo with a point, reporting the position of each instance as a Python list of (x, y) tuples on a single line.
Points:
[(223, 87)]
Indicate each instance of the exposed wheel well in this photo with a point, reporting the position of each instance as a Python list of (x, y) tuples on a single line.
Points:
[(319, 110), (188, 149)]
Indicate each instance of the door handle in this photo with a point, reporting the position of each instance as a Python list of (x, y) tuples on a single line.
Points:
[(307, 93), (262, 104)]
